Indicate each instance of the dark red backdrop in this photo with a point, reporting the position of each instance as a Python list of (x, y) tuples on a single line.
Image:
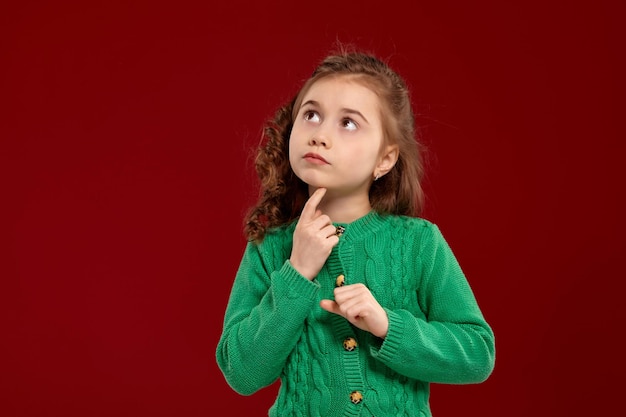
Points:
[(124, 131)]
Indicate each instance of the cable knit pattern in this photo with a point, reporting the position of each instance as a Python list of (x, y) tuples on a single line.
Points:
[(275, 329)]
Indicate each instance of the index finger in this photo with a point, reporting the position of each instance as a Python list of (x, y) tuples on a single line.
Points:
[(310, 206)]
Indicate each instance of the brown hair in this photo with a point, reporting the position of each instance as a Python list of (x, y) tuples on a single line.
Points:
[(283, 194)]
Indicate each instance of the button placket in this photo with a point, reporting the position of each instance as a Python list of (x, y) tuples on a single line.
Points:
[(341, 258)]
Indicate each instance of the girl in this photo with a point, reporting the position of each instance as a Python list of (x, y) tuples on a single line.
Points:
[(343, 292)]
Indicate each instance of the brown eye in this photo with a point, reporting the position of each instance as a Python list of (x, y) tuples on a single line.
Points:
[(311, 116), (349, 124)]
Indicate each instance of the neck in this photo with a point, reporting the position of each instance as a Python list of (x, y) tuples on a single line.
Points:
[(345, 208)]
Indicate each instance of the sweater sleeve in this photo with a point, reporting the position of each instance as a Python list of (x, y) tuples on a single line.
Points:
[(263, 321), (453, 343)]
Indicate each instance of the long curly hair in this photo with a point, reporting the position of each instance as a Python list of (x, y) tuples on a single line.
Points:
[(283, 195)]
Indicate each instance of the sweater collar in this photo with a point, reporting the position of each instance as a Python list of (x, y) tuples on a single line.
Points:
[(362, 227)]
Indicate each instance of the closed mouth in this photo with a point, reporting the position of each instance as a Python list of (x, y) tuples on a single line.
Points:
[(314, 156)]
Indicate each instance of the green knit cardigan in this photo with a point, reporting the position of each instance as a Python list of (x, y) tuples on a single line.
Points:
[(274, 327)]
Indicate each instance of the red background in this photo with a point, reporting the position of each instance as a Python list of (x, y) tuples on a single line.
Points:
[(125, 171)]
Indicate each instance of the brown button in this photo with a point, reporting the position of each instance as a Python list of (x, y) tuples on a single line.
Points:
[(350, 344), (339, 230), (341, 279), (356, 397)]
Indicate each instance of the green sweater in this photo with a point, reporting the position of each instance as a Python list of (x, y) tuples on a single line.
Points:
[(274, 327)]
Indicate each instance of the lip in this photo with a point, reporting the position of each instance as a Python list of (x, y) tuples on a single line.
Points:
[(315, 158)]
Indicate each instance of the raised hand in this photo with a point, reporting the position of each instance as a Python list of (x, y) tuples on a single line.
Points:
[(357, 304), (313, 238)]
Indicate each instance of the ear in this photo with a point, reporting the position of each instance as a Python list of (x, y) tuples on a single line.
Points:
[(387, 160)]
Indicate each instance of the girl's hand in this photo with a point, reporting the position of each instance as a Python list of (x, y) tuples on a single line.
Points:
[(313, 238), (357, 304)]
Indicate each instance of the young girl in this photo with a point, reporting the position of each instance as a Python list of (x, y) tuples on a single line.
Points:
[(343, 292)]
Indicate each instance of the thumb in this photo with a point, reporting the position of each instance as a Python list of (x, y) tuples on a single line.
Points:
[(330, 306)]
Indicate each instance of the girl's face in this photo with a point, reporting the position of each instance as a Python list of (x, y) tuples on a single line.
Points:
[(337, 137)]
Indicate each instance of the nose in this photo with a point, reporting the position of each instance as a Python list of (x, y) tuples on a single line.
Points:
[(320, 138)]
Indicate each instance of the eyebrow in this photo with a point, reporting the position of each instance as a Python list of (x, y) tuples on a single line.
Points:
[(345, 109)]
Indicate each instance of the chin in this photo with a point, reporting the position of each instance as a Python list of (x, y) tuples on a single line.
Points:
[(313, 181), (318, 184)]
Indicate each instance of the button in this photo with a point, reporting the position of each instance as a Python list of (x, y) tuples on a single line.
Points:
[(350, 344), (339, 230), (356, 397), (341, 279)]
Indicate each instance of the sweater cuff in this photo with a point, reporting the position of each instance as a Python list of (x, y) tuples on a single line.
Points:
[(391, 344), (296, 285)]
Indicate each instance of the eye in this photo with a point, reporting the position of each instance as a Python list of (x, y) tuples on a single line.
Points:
[(349, 124), (311, 116)]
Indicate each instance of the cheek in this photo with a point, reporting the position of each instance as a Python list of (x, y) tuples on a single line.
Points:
[(293, 136), (297, 137), (364, 159), (291, 151), (293, 146)]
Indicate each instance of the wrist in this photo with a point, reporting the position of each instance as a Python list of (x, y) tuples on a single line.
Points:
[(302, 271)]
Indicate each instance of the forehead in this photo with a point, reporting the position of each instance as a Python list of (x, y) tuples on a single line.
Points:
[(339, 88)]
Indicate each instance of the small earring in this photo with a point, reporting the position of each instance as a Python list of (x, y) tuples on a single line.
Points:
[(376, 177)]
